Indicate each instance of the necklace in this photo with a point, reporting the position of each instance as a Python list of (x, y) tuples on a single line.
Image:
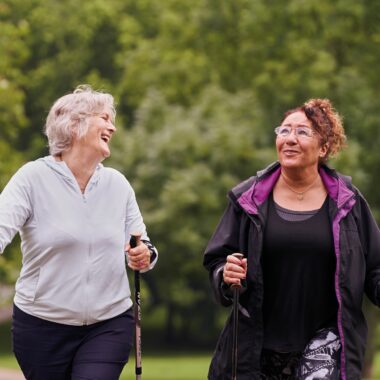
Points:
[(300, 194)]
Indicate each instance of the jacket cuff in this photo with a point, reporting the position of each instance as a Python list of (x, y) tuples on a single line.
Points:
[(153, 255), (222, 291)]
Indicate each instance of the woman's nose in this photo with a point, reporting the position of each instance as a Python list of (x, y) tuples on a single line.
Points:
[(291, 136), (111, 127)]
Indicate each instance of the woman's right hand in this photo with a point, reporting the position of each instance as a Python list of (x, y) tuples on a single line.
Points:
[(235, 270)]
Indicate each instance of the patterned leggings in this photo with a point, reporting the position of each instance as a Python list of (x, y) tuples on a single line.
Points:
[(319, 360)]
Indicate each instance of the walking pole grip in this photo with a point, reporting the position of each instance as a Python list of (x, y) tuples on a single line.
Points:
[(239, 256), (235, 311), (134, 241)]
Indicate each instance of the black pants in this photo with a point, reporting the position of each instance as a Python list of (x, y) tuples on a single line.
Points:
[(319, 360), (53, 351)]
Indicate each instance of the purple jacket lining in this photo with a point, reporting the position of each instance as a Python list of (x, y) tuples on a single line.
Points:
[(340, 193)]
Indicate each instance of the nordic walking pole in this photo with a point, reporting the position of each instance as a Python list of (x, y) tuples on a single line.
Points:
[(134, 241), (235, 316)]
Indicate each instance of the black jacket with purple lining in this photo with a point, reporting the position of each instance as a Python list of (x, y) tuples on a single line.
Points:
[(357, 250)]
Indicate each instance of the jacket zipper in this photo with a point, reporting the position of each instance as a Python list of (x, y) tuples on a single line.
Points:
[(343, 211), (87, 281)]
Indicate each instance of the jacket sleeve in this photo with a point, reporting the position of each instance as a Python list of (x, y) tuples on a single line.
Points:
[(370, 241), (224, 242), (134, 223), (15, 206)]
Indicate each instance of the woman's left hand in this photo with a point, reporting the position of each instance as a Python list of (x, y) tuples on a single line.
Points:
[(138, 257)]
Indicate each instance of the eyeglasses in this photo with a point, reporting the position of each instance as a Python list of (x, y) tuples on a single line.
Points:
[(300, 132)]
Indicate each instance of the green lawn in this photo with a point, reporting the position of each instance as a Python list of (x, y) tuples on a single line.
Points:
[(173, 367), (163, 366), (8, 361), (156, 366)]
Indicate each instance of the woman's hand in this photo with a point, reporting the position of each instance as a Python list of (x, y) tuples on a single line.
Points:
[(138, 257), (235, 270)]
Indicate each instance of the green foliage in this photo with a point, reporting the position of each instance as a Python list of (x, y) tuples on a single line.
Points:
[(181, 161), (14, 53), (200, 85)]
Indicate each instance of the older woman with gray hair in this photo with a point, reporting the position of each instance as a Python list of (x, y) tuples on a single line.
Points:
[(72, 314)]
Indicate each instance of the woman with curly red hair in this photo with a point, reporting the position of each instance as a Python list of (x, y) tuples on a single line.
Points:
[(311, 249)]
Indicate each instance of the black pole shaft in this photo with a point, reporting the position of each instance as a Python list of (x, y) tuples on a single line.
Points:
[(137, 310), (235, 317), (235, 322)]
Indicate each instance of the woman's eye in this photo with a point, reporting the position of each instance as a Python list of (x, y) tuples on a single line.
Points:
[(303, 132), (284, 131)]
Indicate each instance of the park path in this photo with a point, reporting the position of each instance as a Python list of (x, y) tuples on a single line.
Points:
[(11, 374)]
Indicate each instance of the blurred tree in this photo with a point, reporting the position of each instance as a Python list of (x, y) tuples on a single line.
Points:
[(200, 85), (181, 161)]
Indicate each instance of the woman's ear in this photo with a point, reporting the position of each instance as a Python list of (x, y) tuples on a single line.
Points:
[(76, 127), (323, 150)]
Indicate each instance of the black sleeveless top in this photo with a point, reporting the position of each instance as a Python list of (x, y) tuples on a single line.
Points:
[(298, 265)]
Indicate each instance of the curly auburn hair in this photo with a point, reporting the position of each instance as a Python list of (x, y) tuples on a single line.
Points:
[(326, 122)]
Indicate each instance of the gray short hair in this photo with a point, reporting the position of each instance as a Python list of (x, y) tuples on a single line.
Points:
[(70, 113)]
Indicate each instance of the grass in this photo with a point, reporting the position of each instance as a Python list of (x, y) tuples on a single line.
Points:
[(8, 361), (155, 367), (171, 366), (376, 366), (158, 366)]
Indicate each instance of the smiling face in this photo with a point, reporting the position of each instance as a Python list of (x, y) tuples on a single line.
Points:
[(298, 152), (99, 133)]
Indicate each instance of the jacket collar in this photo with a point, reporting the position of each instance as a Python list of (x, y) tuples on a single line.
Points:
[(265, 180), (336, 185)]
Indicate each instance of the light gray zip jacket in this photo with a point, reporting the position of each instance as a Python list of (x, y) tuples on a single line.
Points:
[(73, 262)]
